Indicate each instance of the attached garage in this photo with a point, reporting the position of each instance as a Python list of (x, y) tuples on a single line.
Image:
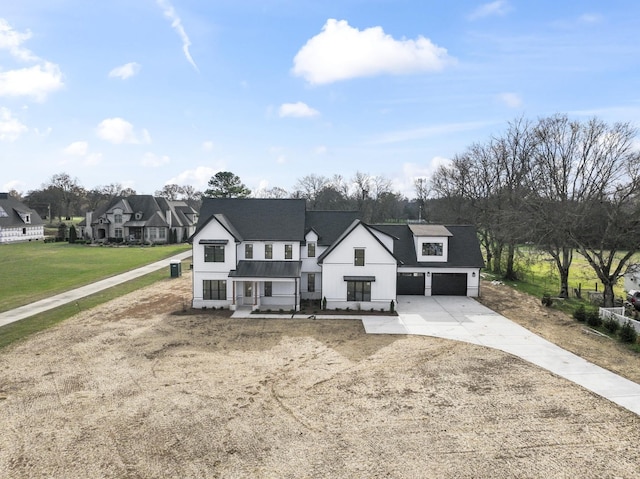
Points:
[(449, 284), (410, 283)]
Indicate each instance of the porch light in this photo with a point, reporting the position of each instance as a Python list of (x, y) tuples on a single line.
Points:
[(473, 275), (428, 273)]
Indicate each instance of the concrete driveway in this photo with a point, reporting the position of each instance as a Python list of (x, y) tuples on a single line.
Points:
[(464, 319)]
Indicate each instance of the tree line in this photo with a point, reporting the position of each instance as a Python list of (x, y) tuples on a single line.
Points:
[(62, 196), (559, 184)]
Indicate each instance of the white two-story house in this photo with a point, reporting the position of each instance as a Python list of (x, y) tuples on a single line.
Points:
[(18, 222), (272, 253)]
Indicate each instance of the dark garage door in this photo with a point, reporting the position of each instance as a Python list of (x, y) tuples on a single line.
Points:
[(409, 283), (449, 284)]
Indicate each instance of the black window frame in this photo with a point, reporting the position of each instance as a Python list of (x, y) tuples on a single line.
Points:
[(268, 289), (311, 250), (288, 251), (211, 293), (311, 283), (358, 290), (214, 253), (358, 259), (248, 251), (268, 251)]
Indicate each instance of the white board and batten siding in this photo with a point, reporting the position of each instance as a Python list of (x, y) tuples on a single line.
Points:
[(379, 264), (212, 270)]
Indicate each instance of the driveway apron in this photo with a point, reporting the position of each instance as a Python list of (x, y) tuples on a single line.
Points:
[(464, 319)]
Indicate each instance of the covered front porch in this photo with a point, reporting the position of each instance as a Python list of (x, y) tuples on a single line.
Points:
[(268, 285)]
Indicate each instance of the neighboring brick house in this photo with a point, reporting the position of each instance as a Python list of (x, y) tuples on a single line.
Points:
[(140, 219), (272, 253), (18, 222)]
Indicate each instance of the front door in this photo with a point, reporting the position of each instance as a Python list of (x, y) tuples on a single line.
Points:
[(248, 292)]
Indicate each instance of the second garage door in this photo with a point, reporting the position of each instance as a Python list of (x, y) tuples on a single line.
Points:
[(449, 284)]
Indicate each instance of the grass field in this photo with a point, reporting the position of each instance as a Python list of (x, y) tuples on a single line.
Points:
[(21, 329), (35, 270), (539, 275)]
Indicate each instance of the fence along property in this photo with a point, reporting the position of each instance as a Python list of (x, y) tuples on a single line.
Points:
[(618, 315)]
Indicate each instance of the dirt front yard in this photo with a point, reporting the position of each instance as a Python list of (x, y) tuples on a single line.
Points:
[(137, 388)]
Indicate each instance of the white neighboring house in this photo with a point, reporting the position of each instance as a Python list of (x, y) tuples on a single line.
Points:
[(18, 222), (632, 277), (272, 253)]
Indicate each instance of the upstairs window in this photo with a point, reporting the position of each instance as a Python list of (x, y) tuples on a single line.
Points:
[(117, 218), (214, 253), (311, 250), (288, 251), (432, 249), (248, 251), (358, 257), (268, 251)]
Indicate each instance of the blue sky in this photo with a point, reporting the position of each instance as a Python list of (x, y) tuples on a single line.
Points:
[(150, 92)]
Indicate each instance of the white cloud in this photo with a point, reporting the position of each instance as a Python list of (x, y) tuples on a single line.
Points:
[(297, 110), (118, 131), (12, 41), (426, 132), (77, 148), (170, 13), (93, 159), (14, 185), (207, 146), (342, 52), (10, 128), (412, 171), (152, 160), (499, 7), (36, 81), (512, 100), (125, 71), (590, 18), (198, 177)]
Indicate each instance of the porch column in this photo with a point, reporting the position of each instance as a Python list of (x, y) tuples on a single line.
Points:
[(233, 287), (255, 293)]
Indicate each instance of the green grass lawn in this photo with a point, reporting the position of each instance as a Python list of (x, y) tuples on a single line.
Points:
[(22, 329), (539, 275), (32, 271)]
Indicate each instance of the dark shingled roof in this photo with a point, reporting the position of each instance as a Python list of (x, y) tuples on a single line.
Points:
[(258, 219), (464, 247), (267, 269), (10, 217), (329, 225)]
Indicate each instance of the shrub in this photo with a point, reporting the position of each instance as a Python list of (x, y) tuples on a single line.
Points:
[(593, 318), (324, 302), (580, 313), (627, 333), (392, 306), (611, 325)]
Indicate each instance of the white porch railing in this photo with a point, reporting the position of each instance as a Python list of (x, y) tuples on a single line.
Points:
[(618, 315)]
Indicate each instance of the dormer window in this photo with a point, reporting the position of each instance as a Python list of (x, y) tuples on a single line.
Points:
[(432, 249), (138, 215)]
